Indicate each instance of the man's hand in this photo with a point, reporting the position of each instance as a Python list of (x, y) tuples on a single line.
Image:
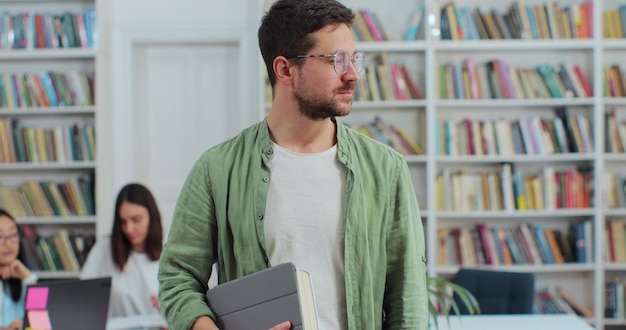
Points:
[(206, 323), (155, 302), (283, 326)]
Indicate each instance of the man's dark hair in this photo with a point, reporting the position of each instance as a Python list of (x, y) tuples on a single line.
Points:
[(286, 28)]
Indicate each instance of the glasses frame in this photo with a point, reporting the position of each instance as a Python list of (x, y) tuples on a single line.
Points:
[(12, 238), (357, 60)]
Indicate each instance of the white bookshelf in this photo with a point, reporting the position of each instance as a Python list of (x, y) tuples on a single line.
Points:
[(62, 60), (585, 281)]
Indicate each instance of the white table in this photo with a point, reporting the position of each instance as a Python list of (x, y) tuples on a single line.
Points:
[(514, 322), (136, 322)]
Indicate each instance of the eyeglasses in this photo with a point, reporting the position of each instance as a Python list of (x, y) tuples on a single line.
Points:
[(9, 238), (342, 60)]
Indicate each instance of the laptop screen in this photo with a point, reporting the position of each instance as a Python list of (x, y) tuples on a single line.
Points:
[(68, 305)]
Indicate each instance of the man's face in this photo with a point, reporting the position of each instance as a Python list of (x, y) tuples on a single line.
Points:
[(320, 91)]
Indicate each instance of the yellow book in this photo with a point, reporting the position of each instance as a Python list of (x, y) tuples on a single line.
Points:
[(405, 136), (442, 235)]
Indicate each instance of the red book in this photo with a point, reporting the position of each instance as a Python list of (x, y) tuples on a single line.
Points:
[(369, 20), (488, 250), (610, 239), (82, 33), (40, 31), (415, 92), (583, 80)]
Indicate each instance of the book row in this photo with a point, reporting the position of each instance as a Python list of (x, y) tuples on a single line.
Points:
[(524, 136), (520, 21), (525, 244), (614, 22), (61, 251), (555, 300), (614, 304), (614, 133), (59, 144), (614, 82), (615, 241), (614, 190), (31, 30), (368, 27), (46, 89), (495, 79), (385, 82), (512, 190), (74, 197), (391, 135)]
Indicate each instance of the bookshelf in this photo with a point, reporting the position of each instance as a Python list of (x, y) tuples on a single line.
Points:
[(48, 115), (422, 119)]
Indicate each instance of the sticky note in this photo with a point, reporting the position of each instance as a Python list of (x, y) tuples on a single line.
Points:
[(39, 320), (37, 298)]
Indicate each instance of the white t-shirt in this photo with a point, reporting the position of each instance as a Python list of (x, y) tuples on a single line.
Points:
[(131, 289), (304, 224)]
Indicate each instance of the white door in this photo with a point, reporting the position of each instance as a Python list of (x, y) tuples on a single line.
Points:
[(172, 85)]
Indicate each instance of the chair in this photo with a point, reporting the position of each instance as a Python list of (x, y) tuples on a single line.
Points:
[(497, 292)]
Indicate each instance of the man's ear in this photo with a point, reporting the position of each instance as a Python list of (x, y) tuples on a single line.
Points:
[(282, 67)]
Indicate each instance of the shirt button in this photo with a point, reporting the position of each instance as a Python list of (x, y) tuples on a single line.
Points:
[(259, 216), (266, 179), (269, 151)]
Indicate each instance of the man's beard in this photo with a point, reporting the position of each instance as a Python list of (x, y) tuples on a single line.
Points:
[(317, 110)]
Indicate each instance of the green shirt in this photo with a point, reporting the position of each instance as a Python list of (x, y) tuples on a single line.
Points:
[(219, 219)]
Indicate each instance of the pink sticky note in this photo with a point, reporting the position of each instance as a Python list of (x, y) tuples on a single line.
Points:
[(39, 320), (37, 298)]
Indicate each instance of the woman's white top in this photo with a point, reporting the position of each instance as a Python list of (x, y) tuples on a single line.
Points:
[(131, 290)]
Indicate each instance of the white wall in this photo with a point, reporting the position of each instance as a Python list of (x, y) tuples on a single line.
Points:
[(174, 77)]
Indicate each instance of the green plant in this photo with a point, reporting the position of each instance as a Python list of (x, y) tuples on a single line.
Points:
[(440, 299)]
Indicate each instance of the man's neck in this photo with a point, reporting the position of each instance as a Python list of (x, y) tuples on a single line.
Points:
[(292, 130)]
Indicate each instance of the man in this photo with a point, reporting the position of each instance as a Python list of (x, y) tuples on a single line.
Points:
[(302, 187)]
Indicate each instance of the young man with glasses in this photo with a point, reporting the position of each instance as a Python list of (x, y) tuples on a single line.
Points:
[(301, 187)]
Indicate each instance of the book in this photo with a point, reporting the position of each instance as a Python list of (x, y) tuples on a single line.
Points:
[(264, 299)]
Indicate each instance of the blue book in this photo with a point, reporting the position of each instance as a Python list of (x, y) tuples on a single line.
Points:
[(533, 22), (542, 242), (46, 81), (622, 14), (444, 26), (498, 244), (580, 252), (513, 247), (3, 100), (88, 26), (458, 82), (415, 25)]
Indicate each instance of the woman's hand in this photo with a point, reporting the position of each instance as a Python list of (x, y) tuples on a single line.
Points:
[(15, 325), (15, 269), (155, 302)]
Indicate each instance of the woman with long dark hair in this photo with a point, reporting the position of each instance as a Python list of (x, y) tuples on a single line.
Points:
[(14, 274), (131, 254)]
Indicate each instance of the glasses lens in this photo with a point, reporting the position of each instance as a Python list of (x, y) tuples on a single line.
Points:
[(358, 61), (342, 62)]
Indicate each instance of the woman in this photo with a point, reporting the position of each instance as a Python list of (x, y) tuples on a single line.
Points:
[(15, 275), (131, 254)]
